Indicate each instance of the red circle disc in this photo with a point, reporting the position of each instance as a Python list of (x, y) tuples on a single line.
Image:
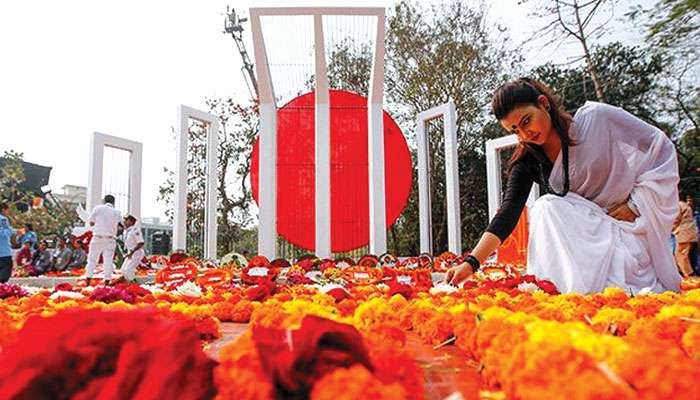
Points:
[(349, 171)]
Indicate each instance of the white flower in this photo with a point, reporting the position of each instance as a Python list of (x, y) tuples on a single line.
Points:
[(32, 290), (529, 287), (442, 288), (189, 289), (327, 288), (153, 289), (66, 294), (645, 291)]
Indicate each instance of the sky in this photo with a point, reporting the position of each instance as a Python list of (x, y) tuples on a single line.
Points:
[(71, 68)]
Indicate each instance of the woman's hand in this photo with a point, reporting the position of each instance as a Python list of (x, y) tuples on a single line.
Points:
[(622, 212), (457, 275)]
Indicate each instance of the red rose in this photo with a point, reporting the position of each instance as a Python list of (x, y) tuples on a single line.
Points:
[(112, 355), (547, 287), (469, 285), (65, 287), (399, 288), (260, 292), (339, 294), (295, 360), (178, 257)]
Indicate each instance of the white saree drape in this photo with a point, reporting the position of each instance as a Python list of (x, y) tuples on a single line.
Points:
[(573, 241)]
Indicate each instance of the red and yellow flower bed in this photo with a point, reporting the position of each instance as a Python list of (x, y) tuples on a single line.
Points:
[(527, 342)]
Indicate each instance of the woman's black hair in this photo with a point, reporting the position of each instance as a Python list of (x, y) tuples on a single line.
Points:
[(526, 91)]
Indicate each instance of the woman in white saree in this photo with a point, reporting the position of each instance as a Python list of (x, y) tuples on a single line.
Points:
[(612, 183)]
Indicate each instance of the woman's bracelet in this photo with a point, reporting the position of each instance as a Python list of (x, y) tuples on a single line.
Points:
[(475, 264)]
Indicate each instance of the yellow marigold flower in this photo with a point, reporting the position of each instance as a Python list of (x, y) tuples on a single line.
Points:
[(691, 341), (65, 304), (375, 311), (118, 305), (668, 297), (692, 295), (542, 296), (602, 348), (457, 309), (613, 292), (398, 301), (676, 310), (495, 313), (607, 316)]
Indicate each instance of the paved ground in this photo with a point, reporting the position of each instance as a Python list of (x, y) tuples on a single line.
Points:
[(440, 366), (46, 281)]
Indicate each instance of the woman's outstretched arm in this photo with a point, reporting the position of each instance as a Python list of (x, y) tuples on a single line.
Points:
[(486, 246)]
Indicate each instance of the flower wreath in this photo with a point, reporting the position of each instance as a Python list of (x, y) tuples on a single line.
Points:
[(259, 271), (214, 278), (419, 278), (368, 260), (362, 275), (173, 276), (444, 261)]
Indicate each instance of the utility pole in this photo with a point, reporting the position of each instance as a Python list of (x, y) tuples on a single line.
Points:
[(233, 26)]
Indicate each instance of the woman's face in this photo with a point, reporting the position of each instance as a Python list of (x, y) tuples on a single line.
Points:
[(531, 123)]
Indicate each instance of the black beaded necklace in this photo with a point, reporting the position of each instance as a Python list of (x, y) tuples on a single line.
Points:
[(543, 160)]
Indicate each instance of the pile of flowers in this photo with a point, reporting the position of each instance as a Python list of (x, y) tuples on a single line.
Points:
[(525, 339)]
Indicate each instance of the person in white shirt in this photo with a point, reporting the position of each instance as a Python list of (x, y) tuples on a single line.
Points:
[(104, 221), (133, 240)]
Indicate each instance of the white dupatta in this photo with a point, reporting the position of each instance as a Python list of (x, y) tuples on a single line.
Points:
[(617, 155)]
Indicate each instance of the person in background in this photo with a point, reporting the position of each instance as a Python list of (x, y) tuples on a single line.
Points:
[(6, 233), (686, 233), (133, 240), (694, 256), (78, 256), (28, 236), (104, 221), (61, 256), (42, 258), (24, 255)]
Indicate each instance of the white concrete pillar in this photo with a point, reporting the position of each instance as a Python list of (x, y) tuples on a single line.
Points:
[(322, 146), (454, 222), (454, 235), (375, 133), (210, 196), (267, 174), (424, 202), (94, 194)]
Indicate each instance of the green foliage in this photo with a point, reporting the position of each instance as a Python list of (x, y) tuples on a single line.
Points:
[(50, 219), (635, 79), (671, 24), (11, 176), (238, 127), (629, 75)]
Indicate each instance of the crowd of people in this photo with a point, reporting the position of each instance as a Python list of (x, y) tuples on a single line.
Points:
[(23, 250), (36, 258)]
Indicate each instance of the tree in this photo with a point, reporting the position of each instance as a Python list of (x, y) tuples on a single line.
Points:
[(629, 75), (49, 218), (434, 54), (635, 79), (575, 19), (447, 51), (671, 24), (238, 127)]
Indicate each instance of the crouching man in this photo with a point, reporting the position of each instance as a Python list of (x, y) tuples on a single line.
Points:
[(133, 240)]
